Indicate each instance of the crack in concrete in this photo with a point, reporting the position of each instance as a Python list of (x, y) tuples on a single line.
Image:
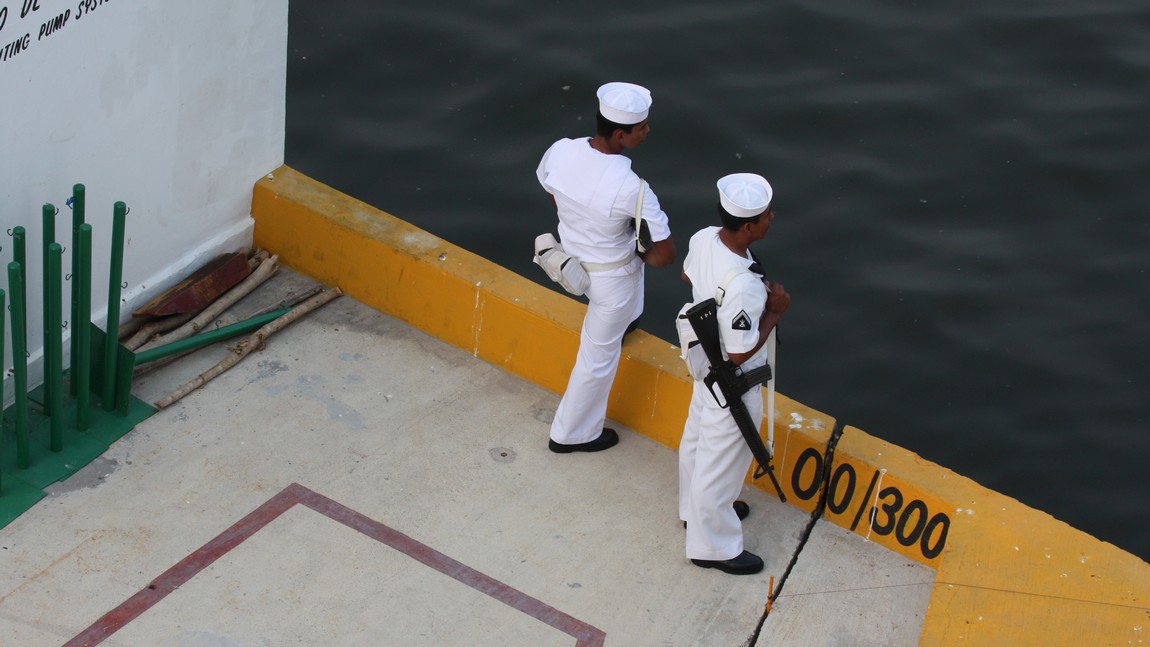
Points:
[(816, 514)]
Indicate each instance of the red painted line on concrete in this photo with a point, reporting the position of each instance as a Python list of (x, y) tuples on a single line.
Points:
[(586, 635), (187, 568)]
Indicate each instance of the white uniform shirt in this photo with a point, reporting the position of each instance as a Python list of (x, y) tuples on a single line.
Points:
[(596, 195), (708, 262)]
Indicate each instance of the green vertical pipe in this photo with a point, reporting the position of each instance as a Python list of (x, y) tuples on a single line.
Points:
[(19, 245), (78, 201), (20, 255), (82, 330), (111, 339), (1, 372), (54, 340), (19, 362), (49, 218)]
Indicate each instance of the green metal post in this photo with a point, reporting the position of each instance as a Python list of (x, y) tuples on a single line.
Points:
[(54, 340), (210, 337), (82, 330), (78, 201), (19, 363), (20, 255), (111, 339), (49, 218), (1, 372)]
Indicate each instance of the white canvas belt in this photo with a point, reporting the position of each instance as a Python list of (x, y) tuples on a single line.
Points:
[(603, 267)]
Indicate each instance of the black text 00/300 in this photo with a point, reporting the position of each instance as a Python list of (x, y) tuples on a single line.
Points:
[(910, 523)]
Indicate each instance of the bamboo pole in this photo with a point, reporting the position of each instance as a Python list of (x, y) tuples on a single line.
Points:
[(138, 332), (146, 331), (288, 302), (245, 347), (264, 272), (130, 327)]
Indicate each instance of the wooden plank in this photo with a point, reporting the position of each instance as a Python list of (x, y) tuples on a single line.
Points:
[(201, 288)]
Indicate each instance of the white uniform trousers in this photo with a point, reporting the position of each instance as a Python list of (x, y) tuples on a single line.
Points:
[(713, 464), (614, 302)]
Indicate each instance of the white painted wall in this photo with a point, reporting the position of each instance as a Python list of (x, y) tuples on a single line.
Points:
[(175, 107)]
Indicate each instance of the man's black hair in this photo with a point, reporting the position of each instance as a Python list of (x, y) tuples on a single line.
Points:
[(733, 223), (606, 127)]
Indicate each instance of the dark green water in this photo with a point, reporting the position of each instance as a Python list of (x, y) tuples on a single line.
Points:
[(961, 188)]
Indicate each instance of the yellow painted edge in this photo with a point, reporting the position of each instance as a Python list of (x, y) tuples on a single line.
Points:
[(998, 555)]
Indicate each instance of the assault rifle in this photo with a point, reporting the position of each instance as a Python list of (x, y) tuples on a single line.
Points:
[(733, 382)]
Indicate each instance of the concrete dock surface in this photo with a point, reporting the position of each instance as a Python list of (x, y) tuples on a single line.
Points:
[(358, 482)]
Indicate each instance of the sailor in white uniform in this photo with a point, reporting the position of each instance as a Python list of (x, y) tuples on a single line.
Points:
[(596, 195), (713, 457)]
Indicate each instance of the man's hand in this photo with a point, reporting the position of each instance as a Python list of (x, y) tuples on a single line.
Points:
[(661, 254), (777, 298)]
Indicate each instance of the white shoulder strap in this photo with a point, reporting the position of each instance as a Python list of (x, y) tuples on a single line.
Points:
[(639, 207), (721, 291)]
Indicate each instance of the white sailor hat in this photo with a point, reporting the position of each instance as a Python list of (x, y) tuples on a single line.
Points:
[(624, 103), (744, 195)]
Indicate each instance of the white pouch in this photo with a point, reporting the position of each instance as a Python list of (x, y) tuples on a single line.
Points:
[(561, 267), (689, 348)]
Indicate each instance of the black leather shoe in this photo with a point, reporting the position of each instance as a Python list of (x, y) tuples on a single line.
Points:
[(741, 509), (605, 440), (746, 563)]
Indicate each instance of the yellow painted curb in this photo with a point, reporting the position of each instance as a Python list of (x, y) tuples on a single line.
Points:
[(1006, 573)]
